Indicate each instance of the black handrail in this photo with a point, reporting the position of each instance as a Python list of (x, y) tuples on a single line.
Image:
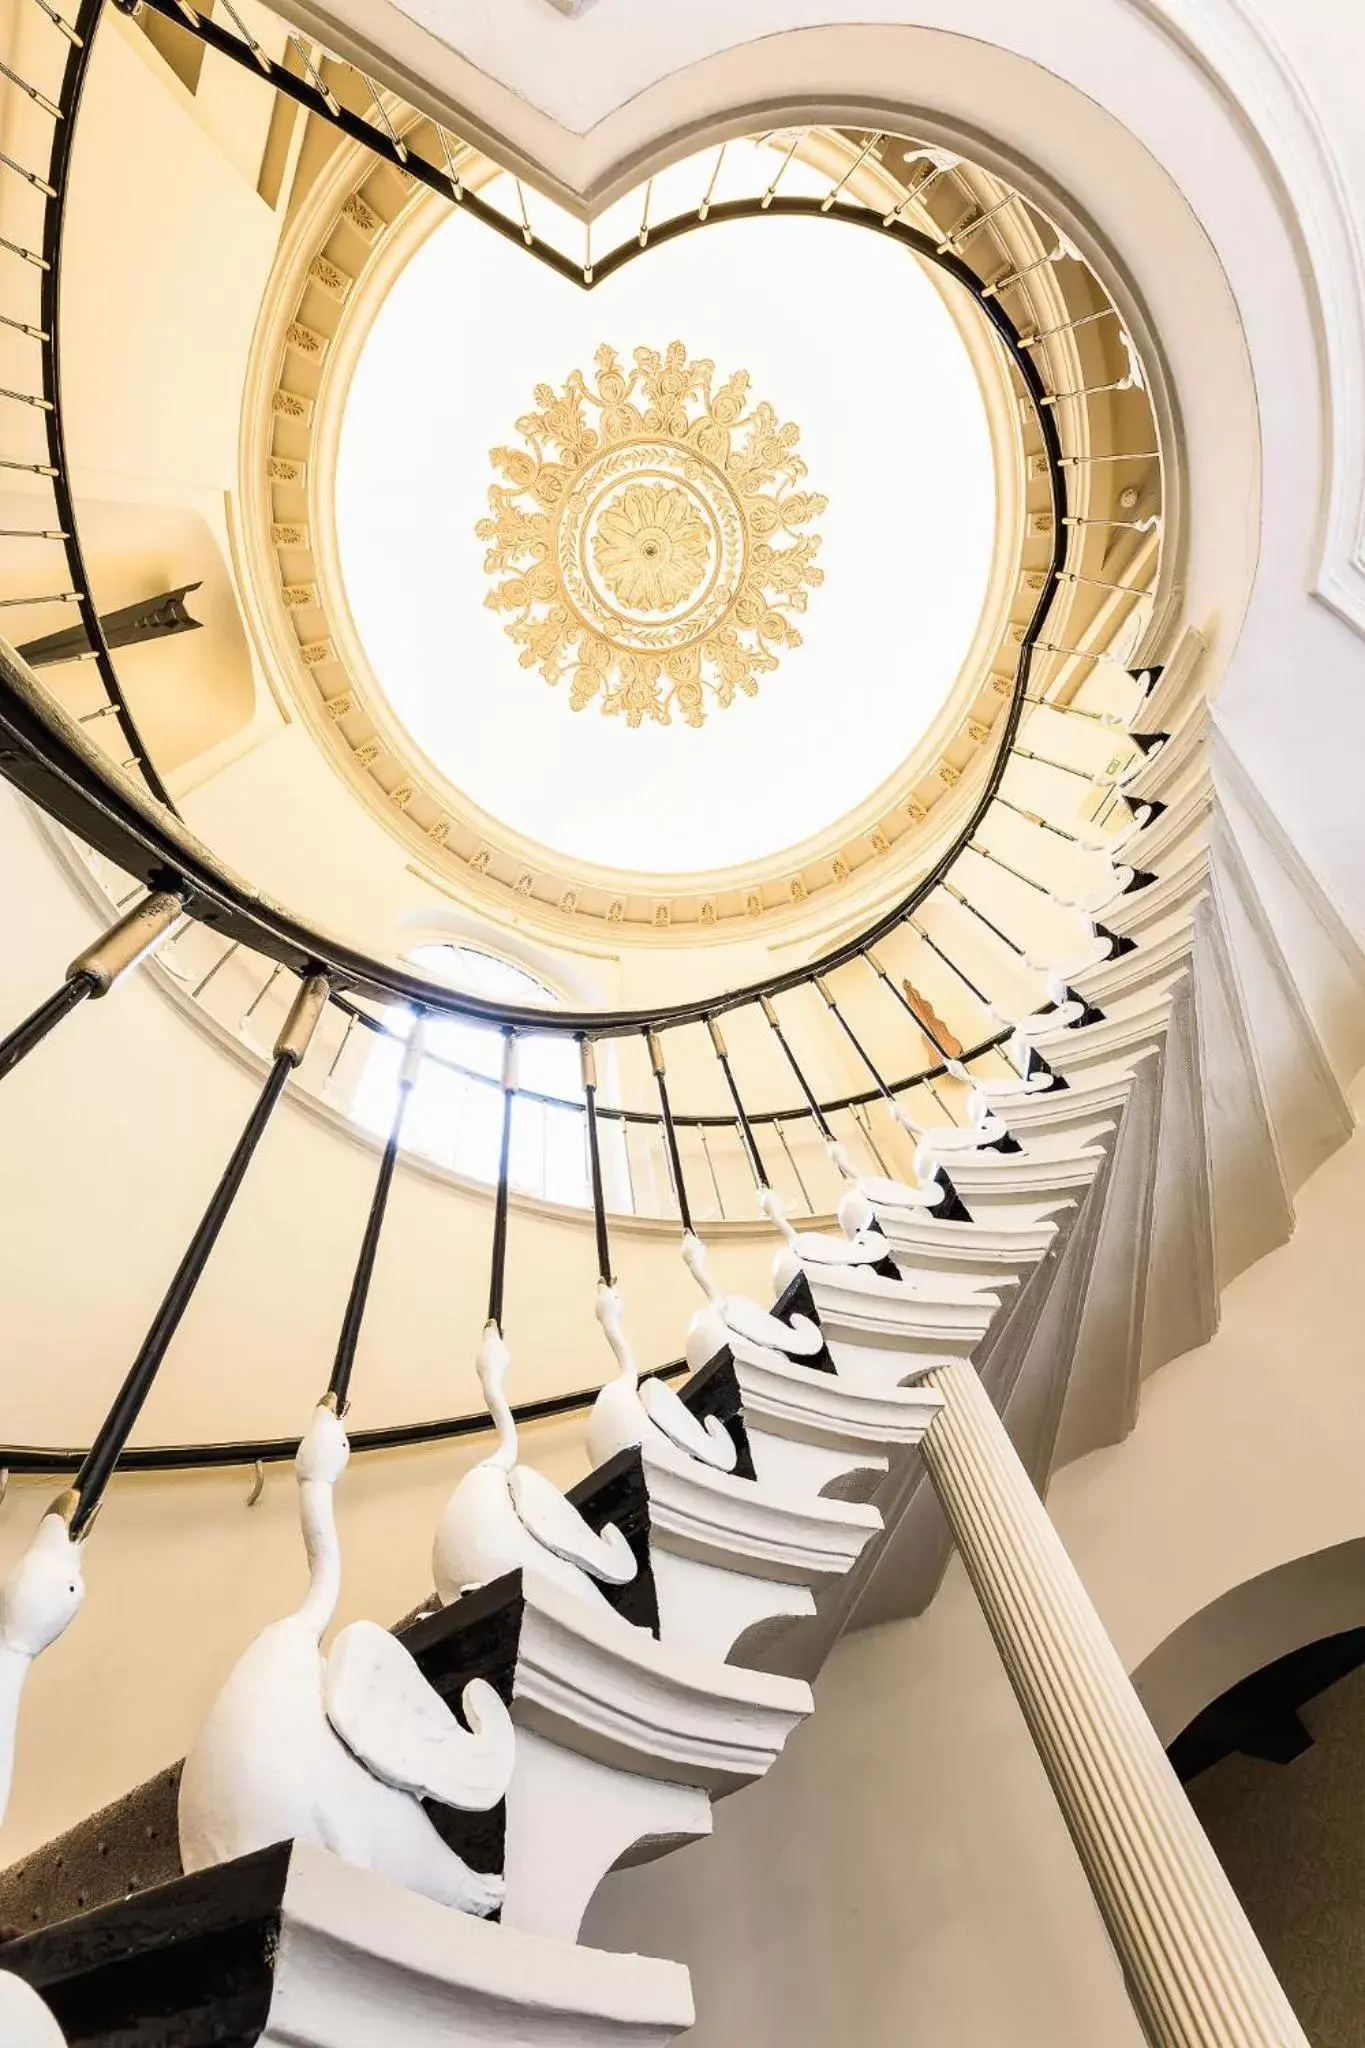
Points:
[(276, 1450), (69, 98)]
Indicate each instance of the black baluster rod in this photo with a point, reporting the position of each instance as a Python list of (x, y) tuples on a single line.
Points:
[(921, 1025), (670, 1131), (338, 1386), (87, 1489), (960, 896), (599, 1200), (656, 1061), (851, 1035), (1030, 881), (812, 1103), (746, 1129), (497, 1262), (953, 967), (95, 971)]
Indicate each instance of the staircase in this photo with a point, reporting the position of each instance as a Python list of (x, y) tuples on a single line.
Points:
[(1152, 1014), (1201, 1085)]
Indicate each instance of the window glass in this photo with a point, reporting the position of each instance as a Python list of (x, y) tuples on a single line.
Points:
[(455, 1111)]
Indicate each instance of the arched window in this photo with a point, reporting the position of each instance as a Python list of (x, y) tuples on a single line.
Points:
[(455, 1112)]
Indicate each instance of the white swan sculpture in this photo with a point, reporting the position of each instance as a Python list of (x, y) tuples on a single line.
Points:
[(505, 1516), (40, 1599), (928, 1192), (341, 1750), (629, 1411), (936, 1141), (822, 1247), (801, 1338), (1019, 1051), (25, 2021)]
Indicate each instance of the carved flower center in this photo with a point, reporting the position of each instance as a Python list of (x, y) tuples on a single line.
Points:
[(651, 547)]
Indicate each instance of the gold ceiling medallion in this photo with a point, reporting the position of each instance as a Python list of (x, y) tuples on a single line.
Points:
[(638, 535)]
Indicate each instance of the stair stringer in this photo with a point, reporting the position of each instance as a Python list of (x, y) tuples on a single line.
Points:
[(1101, 1400), (1178, 1317), (1252, 1210), (1309, 1113), (1025, 1364), (1325, 959)]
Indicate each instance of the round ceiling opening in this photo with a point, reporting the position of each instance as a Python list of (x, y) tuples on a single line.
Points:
[(673, 574)]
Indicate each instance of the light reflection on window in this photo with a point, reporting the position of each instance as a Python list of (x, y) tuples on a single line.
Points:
[(454, 1114)]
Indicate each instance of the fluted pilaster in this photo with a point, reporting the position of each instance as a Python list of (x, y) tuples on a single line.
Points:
[(1197, 1974)]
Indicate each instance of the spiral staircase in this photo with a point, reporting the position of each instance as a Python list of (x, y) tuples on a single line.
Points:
[(1103, 1019)]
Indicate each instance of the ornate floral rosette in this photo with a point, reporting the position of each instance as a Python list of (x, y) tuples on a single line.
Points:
[(640, 533)]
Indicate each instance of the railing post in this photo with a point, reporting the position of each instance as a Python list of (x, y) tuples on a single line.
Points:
[(599, 1202), (338, 1386), (497, 1264), (95, 971), (746, 1129), (656, 1061)]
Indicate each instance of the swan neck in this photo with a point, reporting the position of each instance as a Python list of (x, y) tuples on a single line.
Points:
[(629, 1375), (317, 1513), (699, 1266), (14, 1669), (500, 1408)]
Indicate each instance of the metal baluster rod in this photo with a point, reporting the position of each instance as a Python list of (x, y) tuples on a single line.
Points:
[(95, 971), (746, 1129), (959, 896), (656, 1061), (82, 1504), (851, 1035), (599, 1200), (338, 1386), (497, 1262), (822, 1121)]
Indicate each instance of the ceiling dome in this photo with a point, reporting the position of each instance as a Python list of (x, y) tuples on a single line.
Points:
[(745, 524)]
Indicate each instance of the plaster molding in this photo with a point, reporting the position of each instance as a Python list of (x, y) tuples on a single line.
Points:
[(786, 1399), (360, 1958), (746, 1526), (963, 1248), (650, 1709)]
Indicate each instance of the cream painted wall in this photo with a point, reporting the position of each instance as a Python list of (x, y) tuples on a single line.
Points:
[(833, 1902), (168, 251)]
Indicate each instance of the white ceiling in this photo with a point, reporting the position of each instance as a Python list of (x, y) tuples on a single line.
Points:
[(847, 337)]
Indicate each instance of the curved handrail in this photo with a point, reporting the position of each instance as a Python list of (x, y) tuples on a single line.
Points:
[(54, 241), (277, 1450), (74, 782)]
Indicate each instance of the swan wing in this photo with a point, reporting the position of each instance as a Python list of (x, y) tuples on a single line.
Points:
[(25, 2021), (710, 1441), (555, 1522), (825, 1249), (401, 1729), (898, 1194), (798, 1339)]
